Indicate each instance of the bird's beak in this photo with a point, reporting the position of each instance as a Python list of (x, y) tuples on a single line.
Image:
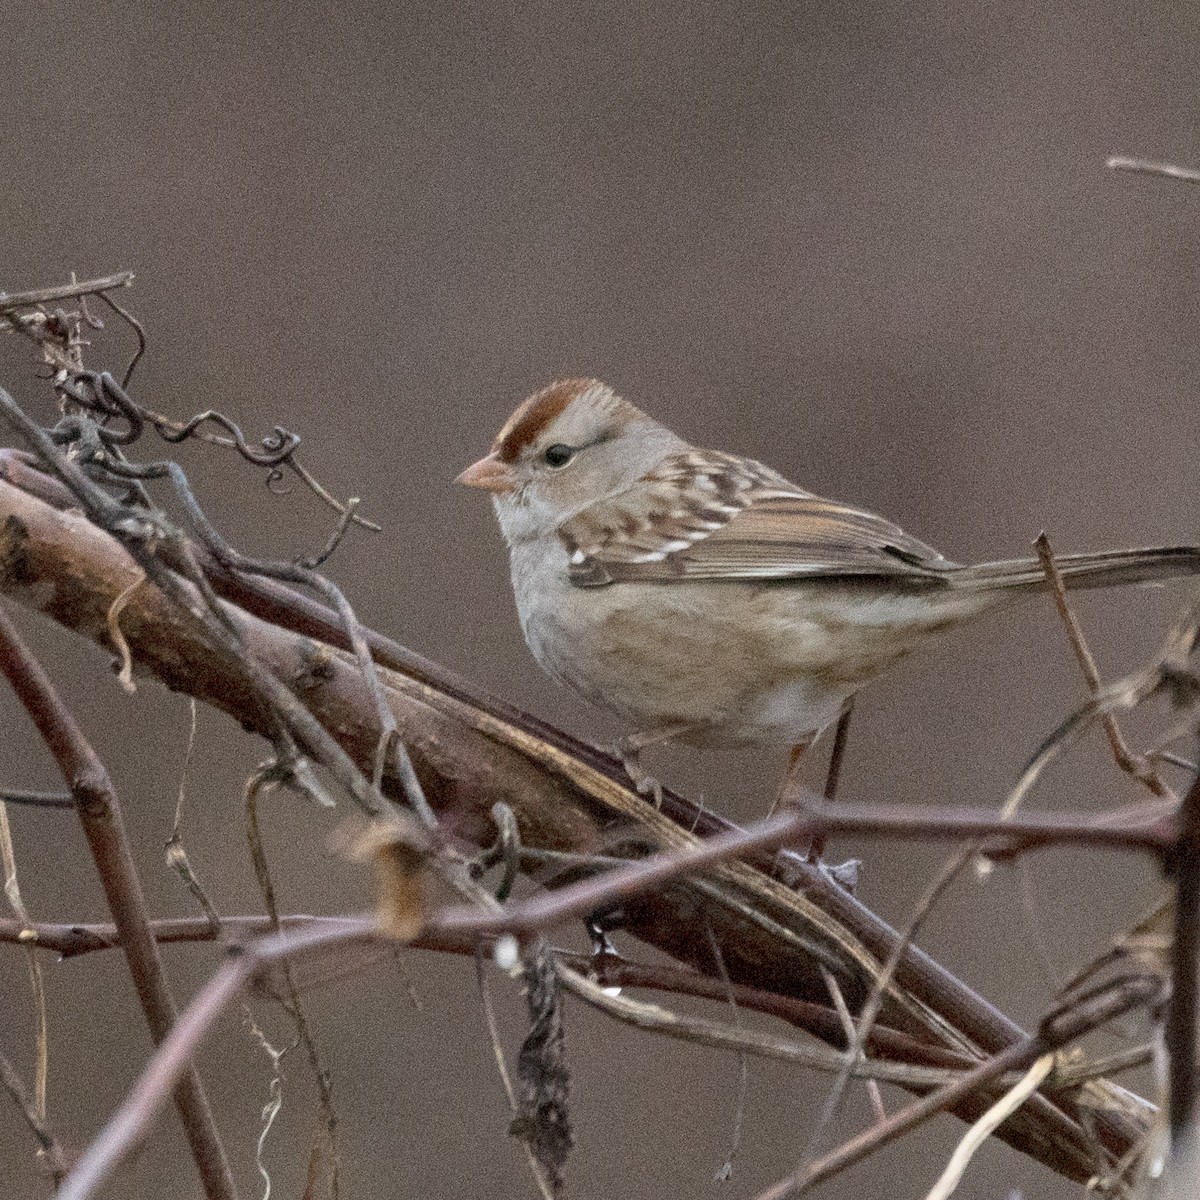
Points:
[(491, 474)]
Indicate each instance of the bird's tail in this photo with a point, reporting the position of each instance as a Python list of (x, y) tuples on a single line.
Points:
[(1112, 568)]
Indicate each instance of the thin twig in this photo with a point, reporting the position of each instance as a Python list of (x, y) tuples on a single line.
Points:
[(987, 1125), (879, 990), (176, 852), (1039, 944), (721, 1035), (139, 332), (263, 778), (1126, 760), (1169, 674), (35, 1118), (1145, 166), (129, 1124), (33, 799), (1152, 831), (739, 1113), (623, 882), (323, 555), (65, 291), (1174, 760), (315, 486), (73, 940), (850, 1029), (37, 985)]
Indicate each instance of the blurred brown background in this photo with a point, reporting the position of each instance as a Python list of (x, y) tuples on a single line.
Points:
[(874, 245)]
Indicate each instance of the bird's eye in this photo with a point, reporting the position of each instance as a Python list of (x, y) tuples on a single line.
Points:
[(558, 455)]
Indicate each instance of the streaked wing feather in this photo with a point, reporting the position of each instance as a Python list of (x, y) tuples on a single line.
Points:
[(786, 537), (704, 515)]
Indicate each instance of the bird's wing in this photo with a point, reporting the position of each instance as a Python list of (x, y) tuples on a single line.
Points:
[(705, 515)]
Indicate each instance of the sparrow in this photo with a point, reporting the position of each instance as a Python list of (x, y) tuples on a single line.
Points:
[(702, 597)]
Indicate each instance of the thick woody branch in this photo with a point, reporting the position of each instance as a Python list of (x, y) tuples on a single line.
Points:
[(100, 814)]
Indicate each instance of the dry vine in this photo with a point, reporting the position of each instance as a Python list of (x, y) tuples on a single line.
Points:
[(455, 782)]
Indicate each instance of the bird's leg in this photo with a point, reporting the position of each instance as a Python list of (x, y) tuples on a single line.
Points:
[(790, 774), (785, 858), (816, 848), (790, 864), (629, 750)]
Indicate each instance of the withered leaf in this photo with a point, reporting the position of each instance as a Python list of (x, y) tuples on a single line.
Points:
[(544, 1119)]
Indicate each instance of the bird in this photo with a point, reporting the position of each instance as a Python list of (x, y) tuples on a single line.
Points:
[(703, 598)]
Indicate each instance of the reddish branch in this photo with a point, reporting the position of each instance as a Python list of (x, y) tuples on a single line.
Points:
[(104, 828), (73, 940)]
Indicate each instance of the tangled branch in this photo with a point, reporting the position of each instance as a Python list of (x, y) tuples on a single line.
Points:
[(455, 782)]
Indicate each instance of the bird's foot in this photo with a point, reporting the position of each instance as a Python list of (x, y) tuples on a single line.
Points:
[(629, 750), (599, 925), (793, 868), (631, 759)]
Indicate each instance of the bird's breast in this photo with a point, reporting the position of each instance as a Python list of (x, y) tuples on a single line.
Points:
[(745, 662)]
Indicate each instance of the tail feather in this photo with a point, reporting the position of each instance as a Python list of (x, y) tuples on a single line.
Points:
[(1112, 568)]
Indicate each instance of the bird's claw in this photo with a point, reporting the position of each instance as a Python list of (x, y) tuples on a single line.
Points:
[(644, 783)]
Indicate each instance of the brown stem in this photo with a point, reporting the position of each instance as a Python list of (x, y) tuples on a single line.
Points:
[(104, 828), (71, 940), (65, 291), (50, 1147)]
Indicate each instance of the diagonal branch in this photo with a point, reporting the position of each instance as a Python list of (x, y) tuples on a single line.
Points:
[(1146, 166), (1119, 997), (50, 1146)]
